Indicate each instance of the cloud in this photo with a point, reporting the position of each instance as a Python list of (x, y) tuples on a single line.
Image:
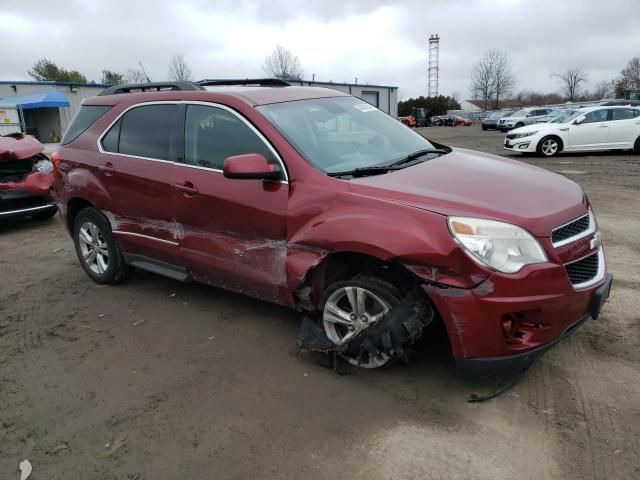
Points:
[(377, 41)]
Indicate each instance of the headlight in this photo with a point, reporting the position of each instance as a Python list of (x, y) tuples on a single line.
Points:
[(526, 134), (44, 166), (501, 246)]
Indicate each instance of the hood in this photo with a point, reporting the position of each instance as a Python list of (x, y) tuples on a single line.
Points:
[(18, 146), (469, 183), (534, 127)]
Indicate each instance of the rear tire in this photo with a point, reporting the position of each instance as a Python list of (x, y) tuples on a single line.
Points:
[(549, 146), (97, 249), (636, 147)]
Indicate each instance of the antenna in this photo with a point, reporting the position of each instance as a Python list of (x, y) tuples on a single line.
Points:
[(434, 54), (143, 71)]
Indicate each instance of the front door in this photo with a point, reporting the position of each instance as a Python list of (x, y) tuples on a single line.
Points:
[(137, 171), (592, 133), (233, 231)]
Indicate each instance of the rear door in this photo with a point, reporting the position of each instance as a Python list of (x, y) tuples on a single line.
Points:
[(137, 169), (233, 232), (624, 127), (592, 133)]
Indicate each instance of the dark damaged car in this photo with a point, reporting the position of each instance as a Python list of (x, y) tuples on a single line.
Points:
[(26, 179), (316, 200)]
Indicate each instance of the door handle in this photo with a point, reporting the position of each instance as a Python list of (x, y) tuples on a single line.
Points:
[(187, 188), (107, 168), (603, 126)]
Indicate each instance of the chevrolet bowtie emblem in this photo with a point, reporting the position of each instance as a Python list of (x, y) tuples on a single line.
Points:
[(596, 241)]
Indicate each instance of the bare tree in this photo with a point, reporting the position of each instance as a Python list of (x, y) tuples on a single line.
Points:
[(283, 64), (602, 90), (629, 78), (135, 75), (178, 68), (492, 79), (571, 80)]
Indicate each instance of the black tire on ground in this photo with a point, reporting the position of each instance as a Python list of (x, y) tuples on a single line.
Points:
[(116, 268), (546, 148), (44, 215), (636, 147), (519, 124), (484, 129)]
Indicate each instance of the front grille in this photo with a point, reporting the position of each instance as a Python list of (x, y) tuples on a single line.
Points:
[(572, 229), (583, 270), (21, 203)]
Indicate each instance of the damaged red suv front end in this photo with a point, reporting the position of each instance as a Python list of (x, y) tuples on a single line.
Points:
[(26, 179)]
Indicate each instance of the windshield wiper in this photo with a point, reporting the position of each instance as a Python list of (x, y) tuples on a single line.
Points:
[(418, 154), (404, 162)]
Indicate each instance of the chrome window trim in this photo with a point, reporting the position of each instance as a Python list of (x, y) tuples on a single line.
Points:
[(140, 235), (597, 278), (191, 102), (590, 230)]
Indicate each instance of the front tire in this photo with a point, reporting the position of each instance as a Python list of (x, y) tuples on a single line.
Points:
[(549, 147), (96, 247), (636, 147), (519, 124), (351, 306)]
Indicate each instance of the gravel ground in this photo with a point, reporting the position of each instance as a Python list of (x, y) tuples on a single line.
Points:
[(154, 379)]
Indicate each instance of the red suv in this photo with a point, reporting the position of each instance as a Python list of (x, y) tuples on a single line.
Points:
[(314, 199)]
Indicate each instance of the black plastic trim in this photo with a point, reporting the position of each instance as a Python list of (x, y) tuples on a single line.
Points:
[(156, 266)]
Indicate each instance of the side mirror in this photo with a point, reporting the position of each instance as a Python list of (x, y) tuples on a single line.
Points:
[(250, 166), (578, 120)]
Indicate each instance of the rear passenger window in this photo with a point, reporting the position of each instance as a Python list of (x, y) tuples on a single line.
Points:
[(146, 131), (623, 114), (213, 134)]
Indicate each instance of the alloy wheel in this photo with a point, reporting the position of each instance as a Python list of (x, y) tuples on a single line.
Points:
[(350, 310), (549, 147), (93, 248)]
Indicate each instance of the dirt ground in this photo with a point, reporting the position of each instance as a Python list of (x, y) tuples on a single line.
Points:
[(155, 379)]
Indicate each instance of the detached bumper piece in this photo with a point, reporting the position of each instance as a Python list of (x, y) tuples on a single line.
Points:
[(391, 336), (484, 369)]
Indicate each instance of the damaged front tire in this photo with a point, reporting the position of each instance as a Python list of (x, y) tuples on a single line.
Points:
[(366, 322)]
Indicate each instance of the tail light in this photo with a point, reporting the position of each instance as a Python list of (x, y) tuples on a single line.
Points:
[(55, 160)]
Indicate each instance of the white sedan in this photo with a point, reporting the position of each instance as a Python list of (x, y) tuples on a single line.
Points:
[(584, 130)]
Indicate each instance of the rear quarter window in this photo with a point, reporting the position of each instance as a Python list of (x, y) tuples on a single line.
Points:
[(86, 116)]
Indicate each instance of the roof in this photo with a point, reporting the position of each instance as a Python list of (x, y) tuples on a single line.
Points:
[(54, 84), (310, 83), (50, 99)]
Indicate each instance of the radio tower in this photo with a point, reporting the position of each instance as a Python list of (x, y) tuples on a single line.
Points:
[(434, 52)]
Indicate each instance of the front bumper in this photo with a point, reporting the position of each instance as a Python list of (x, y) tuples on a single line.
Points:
[(524, 144), (19, 203), (484, 368)]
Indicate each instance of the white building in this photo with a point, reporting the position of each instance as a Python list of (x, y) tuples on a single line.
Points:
[(381, 96)]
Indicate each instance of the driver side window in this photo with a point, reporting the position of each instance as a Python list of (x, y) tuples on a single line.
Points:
[(213, 134), (596, 116)]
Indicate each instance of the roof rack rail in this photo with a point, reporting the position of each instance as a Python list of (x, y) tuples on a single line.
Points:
[(151, 87), (262, 82)]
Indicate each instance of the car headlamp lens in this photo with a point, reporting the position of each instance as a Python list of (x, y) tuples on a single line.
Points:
[(501, 246), (44, 166), (526, 134)]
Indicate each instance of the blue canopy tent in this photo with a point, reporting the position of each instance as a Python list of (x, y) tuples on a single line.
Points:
[(39, 112), (37, 100)]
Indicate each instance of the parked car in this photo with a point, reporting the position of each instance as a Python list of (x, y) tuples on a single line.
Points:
[(491, 121), (26, 179), (584, 130), (314, 199), (523, 117), (461, 121)]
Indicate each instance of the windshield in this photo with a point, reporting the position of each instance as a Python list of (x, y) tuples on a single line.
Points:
[(566, 116), (520, 113), (496, 115), (343, 133)]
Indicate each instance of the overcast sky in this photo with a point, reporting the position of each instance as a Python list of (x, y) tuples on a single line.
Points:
[(377, 41)]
